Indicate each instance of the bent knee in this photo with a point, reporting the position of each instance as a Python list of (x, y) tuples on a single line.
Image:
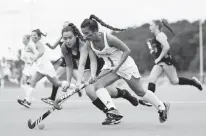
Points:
[(91, 93), (140, 91), (97, 86), (152, 79), (174, 81)]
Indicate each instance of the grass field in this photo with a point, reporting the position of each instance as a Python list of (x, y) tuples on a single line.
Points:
[(80, 118)]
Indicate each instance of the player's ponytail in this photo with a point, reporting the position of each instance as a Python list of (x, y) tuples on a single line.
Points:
[(93, 25), (76, 31), (168, 27)]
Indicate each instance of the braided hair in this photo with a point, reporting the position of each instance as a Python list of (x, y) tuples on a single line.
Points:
[(74, 29), (161, 23), (93, 25)]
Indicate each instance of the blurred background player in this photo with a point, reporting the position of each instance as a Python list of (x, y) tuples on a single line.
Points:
[(29, 69), (44, 67), (5, 71), (160, 49)]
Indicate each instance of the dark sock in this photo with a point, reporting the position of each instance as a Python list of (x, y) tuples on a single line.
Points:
[(54, 92), (100, 105), (152, 87), (120, 93), (185, 81)]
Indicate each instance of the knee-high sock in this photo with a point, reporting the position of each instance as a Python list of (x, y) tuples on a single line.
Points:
[(185, 81), (29, 93), (54, 92), (100, 105), (104, 96), (154, 100)]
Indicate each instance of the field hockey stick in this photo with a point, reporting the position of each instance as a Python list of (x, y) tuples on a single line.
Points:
[(62, 99)]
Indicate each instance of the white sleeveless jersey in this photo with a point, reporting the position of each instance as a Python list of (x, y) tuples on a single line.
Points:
[(29, 52), (111, 55), (41, 59)]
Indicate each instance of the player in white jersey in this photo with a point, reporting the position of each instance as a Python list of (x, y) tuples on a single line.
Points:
[(44, 68), (26, 56), (4, 71), (29, 69), (116, 56)]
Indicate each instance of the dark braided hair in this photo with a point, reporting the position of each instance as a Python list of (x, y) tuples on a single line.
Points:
[(93, 25), (74, 29), (39, 33), (162, 23)]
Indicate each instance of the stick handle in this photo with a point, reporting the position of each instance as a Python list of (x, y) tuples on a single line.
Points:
[(70, 93)]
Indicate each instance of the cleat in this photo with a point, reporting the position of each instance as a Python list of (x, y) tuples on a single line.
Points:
[(144, 103), (48, 101), (198, 83), (111, 121), (163, 115), (24, 102), (113, 117), (113, 113)]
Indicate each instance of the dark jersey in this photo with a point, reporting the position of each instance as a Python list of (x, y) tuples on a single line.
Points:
[(157, 46), (75, 59)]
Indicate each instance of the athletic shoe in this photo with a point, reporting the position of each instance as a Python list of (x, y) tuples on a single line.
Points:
[(163, 114), (114, 113), (198, 83), (144, 103), (111, 121), (24, 103), (126, 95), (113, 117), (48, 101)]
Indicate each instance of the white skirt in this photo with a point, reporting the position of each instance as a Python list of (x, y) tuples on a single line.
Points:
[(127, 70), (29, 70), (46, 68)]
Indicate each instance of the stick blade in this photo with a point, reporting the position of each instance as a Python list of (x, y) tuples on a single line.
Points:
[(30, 125)]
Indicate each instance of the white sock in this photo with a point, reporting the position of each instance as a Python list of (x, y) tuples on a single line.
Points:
[(25, 87), (29, 93), (104, 96), (2, 83), (154, 100)]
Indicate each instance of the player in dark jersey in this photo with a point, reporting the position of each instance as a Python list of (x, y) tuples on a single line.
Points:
[(160, 49), (60, 70)]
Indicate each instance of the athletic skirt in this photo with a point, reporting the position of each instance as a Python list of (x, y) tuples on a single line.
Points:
[(29, 70), (46, 68), (127, 70)]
